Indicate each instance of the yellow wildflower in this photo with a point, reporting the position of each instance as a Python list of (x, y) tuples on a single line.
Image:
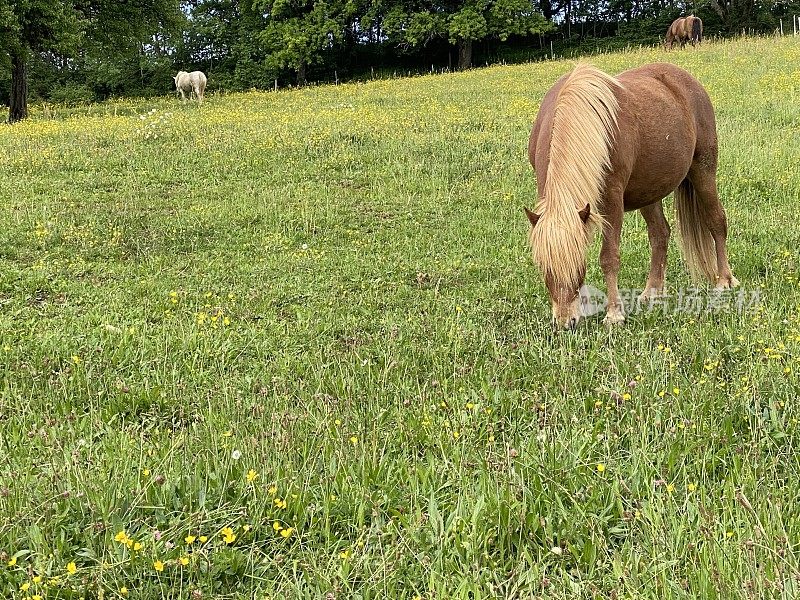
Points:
[(227, 535)]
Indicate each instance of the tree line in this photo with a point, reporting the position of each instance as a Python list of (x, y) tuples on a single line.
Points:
[(85, 50)]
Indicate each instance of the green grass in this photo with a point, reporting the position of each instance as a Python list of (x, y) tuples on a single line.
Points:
[(331, 288)]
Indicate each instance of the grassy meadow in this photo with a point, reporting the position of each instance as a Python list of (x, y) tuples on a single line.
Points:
[(292, 345)]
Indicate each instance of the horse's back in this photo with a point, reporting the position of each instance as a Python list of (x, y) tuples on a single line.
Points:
[(667, 122), (660, 78)]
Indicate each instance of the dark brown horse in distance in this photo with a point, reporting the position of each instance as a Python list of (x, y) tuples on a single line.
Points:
[(684, 29), (604, 145)]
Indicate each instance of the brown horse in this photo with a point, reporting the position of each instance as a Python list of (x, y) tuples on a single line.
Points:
[(684, 29), (602, 146)]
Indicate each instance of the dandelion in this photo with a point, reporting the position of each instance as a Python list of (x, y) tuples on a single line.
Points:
[(353, 440), (286, 532), (137, 546), (272, 490), (72, 568), (12, 562), (121, 536), (189, 539), (676, 391), (251, 476), (203, 539), (184, 560), (670, 488), (146, 472), (236, 455), (158, 566), (25, 586), (277, 526), (601, 468), (37, 579)]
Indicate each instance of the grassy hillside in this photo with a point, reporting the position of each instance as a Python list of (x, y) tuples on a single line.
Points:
[(291, 345)]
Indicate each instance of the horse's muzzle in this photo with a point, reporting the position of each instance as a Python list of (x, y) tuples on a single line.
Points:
[(568, 325)]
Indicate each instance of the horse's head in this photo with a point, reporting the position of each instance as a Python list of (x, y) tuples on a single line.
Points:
[(178, 76), (562, 260)]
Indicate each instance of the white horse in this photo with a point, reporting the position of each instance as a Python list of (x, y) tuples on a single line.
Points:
[(194, 83)]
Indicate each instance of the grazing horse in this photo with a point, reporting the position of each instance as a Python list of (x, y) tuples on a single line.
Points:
[(194, 83), (684, 29), (604, 145)]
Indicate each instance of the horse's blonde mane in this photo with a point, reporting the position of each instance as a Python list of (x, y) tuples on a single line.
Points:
[(584, 121)]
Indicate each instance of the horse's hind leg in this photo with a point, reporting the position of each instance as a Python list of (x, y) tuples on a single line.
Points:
[(658, 233), (713, 215)]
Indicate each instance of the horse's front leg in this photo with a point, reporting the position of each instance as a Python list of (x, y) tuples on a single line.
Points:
[(609, 258)]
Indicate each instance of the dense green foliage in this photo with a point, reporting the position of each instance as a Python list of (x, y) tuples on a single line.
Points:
[(291, 345), (84, 50)]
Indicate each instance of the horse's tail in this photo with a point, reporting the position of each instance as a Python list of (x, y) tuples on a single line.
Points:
[(697, 30), (697, 245)]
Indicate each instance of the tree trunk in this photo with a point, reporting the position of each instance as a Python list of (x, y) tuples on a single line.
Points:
[(19, 87), (547, 9), (464, 54), (301, 75)]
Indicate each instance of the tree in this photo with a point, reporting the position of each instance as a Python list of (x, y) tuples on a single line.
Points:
[(60, 27), (33, 26), (414, 24), (744, 14), (300, 31)]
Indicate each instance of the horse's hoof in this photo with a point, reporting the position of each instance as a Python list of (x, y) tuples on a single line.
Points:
[(613, 320), (651, 294), (727, 283)]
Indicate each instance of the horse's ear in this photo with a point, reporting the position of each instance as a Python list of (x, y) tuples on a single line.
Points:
[(532, 217), (584, 214)]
